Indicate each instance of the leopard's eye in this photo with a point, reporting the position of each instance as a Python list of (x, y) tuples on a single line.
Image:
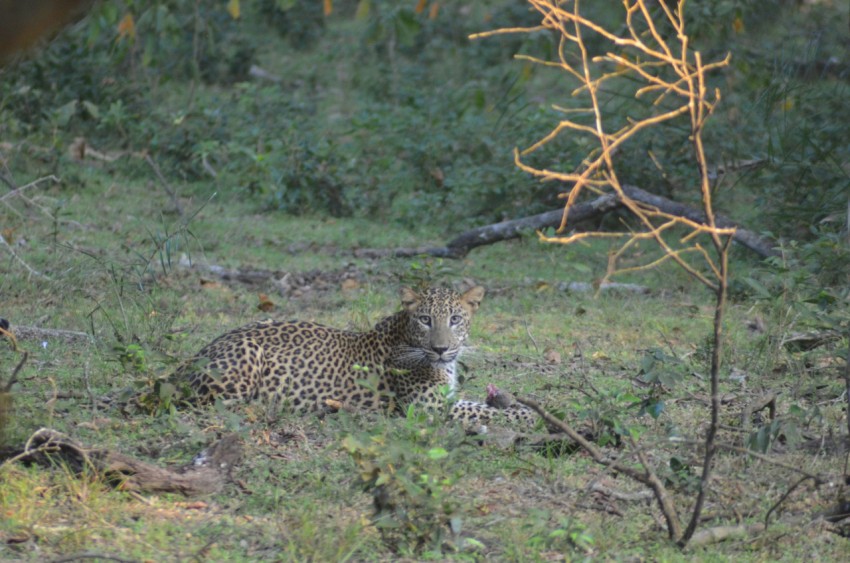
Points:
[(425, 319), (456, 319)]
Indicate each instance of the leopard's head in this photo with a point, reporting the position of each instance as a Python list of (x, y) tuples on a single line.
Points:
[(438, 321)]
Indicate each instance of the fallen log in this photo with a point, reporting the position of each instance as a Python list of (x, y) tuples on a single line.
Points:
[(722, 533), (462, 244), (760, 245), (39, 333), (207, 473)]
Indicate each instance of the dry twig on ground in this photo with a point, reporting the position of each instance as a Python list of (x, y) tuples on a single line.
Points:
[(206, 474)]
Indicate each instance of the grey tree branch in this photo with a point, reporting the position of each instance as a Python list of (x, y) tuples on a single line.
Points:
[(460, 246), (463, 243), (647, 477), (20, 260), (753, 241)]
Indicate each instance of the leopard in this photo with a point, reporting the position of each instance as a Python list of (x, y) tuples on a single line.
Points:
[(408, 358)]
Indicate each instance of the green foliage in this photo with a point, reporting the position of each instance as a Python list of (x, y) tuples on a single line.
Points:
[(302, 23), (409, 140), (678, 474), (787, 429), (424, 271), (569, 536), (608, 413), (411, 471), (806, 290)]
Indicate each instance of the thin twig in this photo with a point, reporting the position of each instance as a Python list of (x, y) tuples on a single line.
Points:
[(14, 379), (847, 381), (666, 66), (528, 332), (18, 191), (790, 490), (87, 381), (818, 479), (20, 260), (168, 189), (647, 477)]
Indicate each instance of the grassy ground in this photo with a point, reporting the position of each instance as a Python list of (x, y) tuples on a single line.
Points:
[(296, 495), (105, 253)]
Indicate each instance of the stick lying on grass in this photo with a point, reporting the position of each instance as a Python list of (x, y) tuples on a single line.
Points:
[(206, 474)]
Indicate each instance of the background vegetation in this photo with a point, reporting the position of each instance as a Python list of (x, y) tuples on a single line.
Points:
[(273, 135)]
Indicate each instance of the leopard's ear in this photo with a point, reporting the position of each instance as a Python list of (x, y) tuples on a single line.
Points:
[(472, 298), (409, 298)]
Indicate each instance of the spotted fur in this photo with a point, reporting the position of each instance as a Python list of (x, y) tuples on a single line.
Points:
[(407, 358)]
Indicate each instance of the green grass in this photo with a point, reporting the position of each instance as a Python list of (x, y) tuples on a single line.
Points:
[(300, 498)]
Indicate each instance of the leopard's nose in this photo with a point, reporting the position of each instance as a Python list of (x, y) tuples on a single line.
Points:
[(440, 349)]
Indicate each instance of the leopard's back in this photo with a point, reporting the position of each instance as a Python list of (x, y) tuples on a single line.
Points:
[(300, 363)]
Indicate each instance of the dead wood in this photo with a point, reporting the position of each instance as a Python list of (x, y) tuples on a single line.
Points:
[(605, 287), (504, 438), (806, 341), (709, 536), (638, 496), (647, 477), (462, 244), (760, 245), (205, 475), (38, 333), (766, 401)]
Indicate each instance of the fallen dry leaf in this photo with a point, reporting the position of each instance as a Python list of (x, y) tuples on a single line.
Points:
[(193, 505), (552, 356), (265, 304), (350, 284)]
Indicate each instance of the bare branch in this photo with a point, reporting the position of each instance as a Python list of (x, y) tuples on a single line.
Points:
[(168, 189), (20, 261), (33, 184), (647, 477)]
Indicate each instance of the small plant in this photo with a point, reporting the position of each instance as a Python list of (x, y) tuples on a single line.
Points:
[(411, 474), (569, 536), (423, 271), (608, 414)]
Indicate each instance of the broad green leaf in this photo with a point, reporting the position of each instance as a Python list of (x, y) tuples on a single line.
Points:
[(363, 8), (437, 453), (63, 114), (233, 9), (91, 109)]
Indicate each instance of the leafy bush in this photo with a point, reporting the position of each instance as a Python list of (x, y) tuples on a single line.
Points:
[(426, 120), (411, 472)]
